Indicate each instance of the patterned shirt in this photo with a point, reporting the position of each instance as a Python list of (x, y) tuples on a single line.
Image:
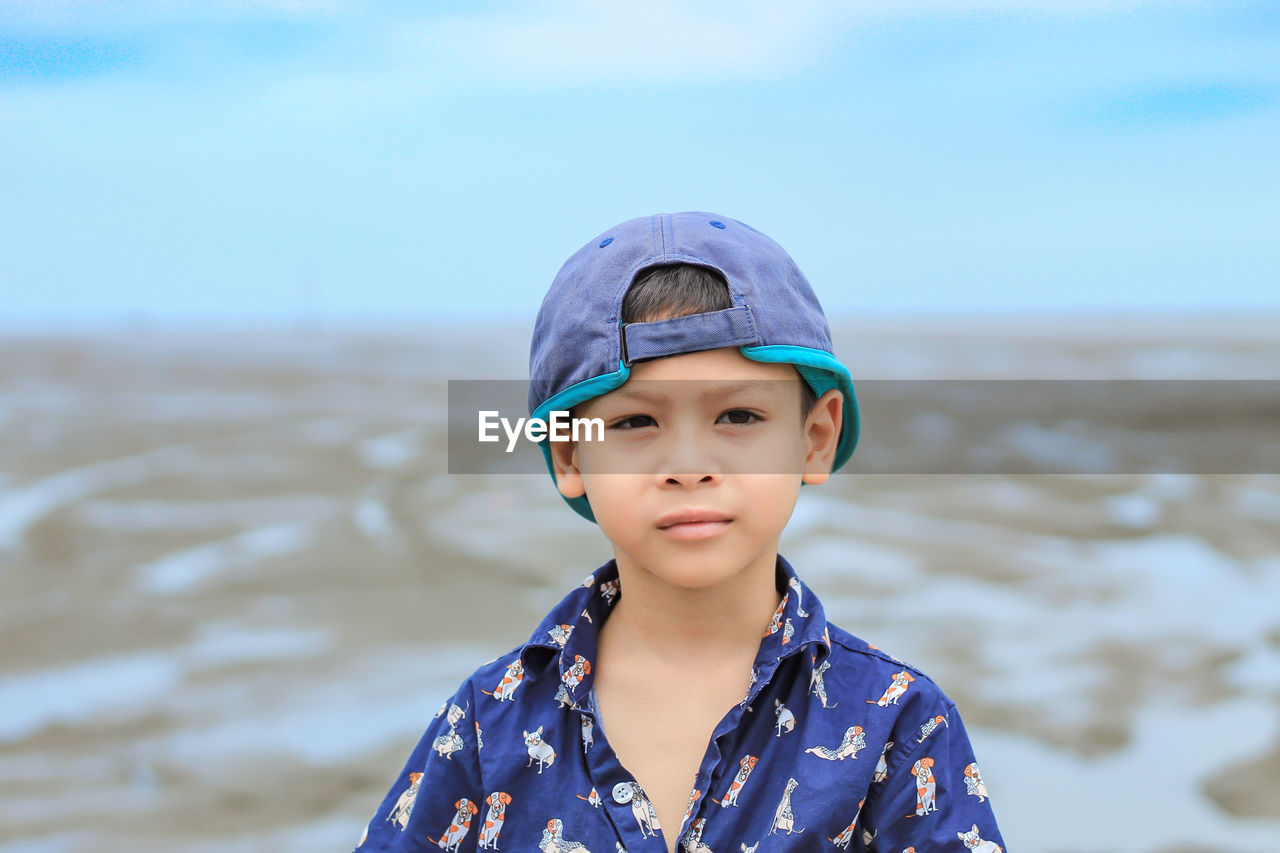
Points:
[(835, 745)]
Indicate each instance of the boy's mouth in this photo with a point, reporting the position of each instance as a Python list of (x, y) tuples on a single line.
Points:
[(689, 524)]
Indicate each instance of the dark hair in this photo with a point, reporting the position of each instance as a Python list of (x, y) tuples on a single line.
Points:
[(677, 290)]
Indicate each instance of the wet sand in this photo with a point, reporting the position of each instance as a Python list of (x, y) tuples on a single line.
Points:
[(236, 581)]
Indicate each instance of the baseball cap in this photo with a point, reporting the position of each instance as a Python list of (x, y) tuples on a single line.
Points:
[(581, 349)]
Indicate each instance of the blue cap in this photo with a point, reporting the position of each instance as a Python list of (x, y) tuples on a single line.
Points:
[(582, 350)]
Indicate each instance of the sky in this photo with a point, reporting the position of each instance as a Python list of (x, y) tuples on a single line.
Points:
[(268, 160)]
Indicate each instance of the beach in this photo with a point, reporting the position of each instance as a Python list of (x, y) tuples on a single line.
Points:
[(237, 578)]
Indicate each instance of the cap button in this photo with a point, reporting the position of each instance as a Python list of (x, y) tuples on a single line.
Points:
[(622, 792)]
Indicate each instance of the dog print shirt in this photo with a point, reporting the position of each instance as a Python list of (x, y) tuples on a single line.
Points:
[(835, 745)]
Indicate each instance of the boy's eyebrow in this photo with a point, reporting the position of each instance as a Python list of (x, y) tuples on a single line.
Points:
[(718, 391)]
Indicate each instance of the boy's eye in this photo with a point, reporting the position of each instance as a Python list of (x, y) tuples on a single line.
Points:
[(633, 422), (740, 416), (735, 417)]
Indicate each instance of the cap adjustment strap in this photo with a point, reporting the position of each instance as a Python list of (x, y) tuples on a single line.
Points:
[(732, 327)]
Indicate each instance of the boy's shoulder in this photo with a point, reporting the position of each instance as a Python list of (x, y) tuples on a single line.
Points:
[(861, 665), (506, 677), (498, 669)]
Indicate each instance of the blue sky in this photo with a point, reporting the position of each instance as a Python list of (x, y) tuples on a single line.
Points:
[(167, 160)]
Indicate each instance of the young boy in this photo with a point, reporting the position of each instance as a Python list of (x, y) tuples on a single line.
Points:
[(690, 693)]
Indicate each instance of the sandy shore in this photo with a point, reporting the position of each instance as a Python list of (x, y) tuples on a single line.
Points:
[(237, 581)]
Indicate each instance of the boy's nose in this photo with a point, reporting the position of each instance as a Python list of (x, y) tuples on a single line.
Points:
[(689, 462), (689, 480)]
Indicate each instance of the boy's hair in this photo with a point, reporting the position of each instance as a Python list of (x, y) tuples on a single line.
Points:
[(678, 290)]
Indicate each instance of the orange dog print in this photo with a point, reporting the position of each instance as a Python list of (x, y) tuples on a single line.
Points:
[(901, 681), (458, 828), (498, 802)]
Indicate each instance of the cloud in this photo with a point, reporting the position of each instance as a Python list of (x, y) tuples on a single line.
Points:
[(578, 41), (328, 63), (545, 42), (551, 40)]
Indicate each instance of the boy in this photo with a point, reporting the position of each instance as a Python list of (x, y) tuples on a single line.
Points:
[(690, 693)]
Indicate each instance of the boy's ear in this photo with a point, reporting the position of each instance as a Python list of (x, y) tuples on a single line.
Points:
[(564, 460), (822, 436)]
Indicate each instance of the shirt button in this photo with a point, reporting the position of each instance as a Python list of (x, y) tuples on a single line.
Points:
[(622, 792)]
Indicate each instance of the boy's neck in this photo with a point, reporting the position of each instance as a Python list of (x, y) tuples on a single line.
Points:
[(656, 624)]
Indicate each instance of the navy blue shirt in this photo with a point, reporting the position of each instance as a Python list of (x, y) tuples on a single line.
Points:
[(835, 745)]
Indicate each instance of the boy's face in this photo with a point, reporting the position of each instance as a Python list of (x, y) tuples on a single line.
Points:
[(711, 432)]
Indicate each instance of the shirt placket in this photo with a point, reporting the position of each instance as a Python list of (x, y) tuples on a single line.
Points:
[(712, 774), (617, 790), (613, 784), (617, 787)]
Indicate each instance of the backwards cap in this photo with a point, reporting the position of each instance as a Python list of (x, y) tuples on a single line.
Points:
[(581, 349)]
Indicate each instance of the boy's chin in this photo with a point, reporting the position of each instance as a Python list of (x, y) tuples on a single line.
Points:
[(694, 571)]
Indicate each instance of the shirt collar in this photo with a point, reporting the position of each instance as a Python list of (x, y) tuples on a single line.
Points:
[(569, 632)]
